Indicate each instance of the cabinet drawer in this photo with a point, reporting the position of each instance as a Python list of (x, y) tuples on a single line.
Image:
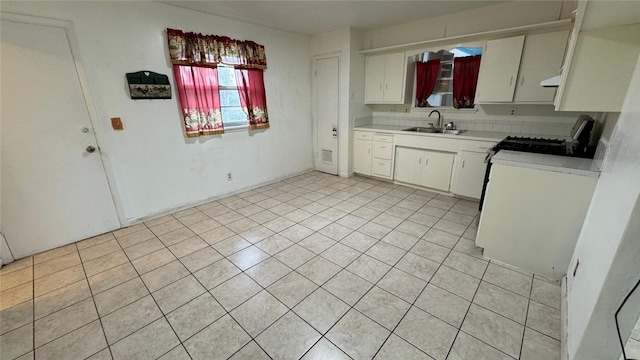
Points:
[(476, 146), (363, 135), (381, 167), (383, 138), (382, 150)]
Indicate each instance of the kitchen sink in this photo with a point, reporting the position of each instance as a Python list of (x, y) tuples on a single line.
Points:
[(433, 130), (424, 129)]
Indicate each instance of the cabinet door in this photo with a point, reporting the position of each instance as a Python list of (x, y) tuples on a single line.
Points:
[(409, 163), (362, 156), (394, 78), (541, 59), (381, 168), (436, 172), (374, 79), (599, 69), (470, 177), (499, 70)]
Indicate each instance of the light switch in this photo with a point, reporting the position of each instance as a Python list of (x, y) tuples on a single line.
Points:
[(116, 123)]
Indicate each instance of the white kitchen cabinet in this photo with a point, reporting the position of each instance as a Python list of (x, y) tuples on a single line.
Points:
[(470, 174), (385, 79), (499, 70), (426, 168), (374, 79), (362, 147), (541, 59), (373, 154), (409, 165), (601, 56), (382, 155), (471, 168), (531, 218)]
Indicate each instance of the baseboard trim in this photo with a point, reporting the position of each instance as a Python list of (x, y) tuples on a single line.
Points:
[(138, 220)]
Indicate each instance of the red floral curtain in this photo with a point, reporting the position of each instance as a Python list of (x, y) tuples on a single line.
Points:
[(200, 99), (465, 80), (426, 76), (252, 96), (209, 50)]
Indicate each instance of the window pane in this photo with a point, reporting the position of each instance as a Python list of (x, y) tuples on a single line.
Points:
[(226, 76), (233, 116), (229, 98)]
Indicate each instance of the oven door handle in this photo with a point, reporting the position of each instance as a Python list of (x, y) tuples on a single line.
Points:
[(490, 154)]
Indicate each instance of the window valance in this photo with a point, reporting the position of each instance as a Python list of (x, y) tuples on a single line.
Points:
[(210, 50)]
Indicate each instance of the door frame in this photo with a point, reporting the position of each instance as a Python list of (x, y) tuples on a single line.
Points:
[(314, 104), (107, 166)]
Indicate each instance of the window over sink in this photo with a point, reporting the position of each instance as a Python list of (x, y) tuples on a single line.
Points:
[(435, 72)]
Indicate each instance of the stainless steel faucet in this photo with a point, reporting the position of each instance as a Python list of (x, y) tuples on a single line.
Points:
[(439, 117)]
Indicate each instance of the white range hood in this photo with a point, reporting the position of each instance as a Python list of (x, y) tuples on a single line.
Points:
[(551, 82)]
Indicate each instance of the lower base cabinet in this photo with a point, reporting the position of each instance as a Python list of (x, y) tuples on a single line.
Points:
[(470, 177), (426, 168), (532, 218), (362, 156)]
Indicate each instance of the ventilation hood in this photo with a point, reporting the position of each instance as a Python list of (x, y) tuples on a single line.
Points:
[(551, 82)]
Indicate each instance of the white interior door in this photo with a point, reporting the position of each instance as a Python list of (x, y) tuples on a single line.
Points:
[(54, 188), (326, 96)]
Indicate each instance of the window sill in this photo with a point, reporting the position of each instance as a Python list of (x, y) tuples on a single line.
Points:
[(236, 128), (443, 109)]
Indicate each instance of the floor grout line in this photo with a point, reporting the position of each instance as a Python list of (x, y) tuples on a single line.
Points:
[(295, 191)]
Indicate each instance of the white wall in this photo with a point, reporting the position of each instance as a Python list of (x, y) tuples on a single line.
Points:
[(608, 265), (155, 167)]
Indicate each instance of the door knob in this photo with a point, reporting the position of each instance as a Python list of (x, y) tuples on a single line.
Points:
[(91, 149)]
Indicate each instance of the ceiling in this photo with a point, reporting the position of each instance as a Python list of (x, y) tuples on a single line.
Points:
[(315, 17)]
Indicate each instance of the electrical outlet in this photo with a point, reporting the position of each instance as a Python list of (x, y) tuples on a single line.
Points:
[(229, 177), (513, 111)]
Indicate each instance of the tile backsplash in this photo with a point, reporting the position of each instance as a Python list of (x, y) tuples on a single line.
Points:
[(506, 126), (547, 124)]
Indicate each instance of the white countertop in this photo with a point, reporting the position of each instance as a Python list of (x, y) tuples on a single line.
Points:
[(563, 164), (465, 135)]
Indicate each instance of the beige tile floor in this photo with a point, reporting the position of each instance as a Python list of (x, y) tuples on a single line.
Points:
[(312, 267), (632, 348)]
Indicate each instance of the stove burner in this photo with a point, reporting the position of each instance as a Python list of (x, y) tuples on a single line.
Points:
[(533, 145)]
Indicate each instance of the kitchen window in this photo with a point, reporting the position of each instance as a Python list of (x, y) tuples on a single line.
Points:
[(435, 78)]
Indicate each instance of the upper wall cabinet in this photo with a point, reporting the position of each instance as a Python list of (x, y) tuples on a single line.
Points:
[(601, 57), (541, 59), (512, 68), (499, 70), (386, 79)]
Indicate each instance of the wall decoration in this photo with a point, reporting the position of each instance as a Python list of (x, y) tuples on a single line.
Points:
[(148, 85)]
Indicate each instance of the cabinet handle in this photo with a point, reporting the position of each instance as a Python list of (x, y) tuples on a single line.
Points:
[(386, 86), (381, 164), (369, 150), (522, 81), (426, 161), (383, 147), (463, 163), (510, 80), (419, 161)]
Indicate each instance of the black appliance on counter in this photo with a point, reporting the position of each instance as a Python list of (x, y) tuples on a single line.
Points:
[(579, 145)]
